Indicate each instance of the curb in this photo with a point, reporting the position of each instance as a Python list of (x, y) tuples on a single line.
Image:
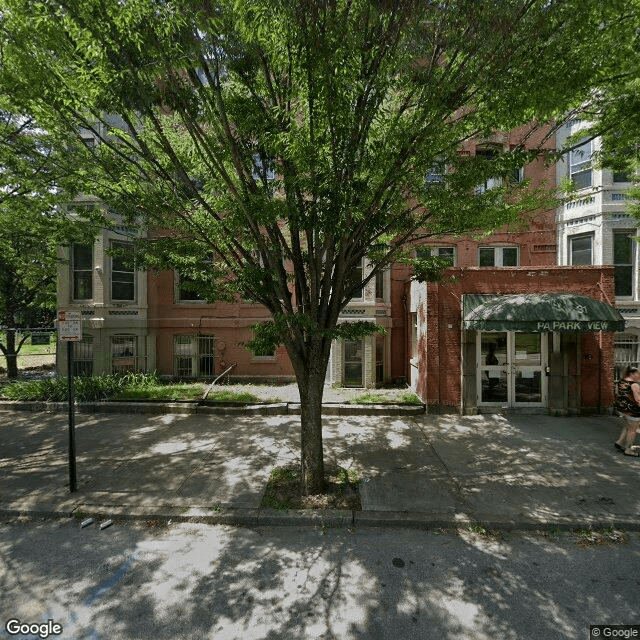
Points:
[(195, 408), (263, 517)]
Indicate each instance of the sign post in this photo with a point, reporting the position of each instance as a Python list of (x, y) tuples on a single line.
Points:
[(70, 331)]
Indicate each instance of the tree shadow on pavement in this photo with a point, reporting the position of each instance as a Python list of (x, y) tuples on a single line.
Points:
[(194, 581)]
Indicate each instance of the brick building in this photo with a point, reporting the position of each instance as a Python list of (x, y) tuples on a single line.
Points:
[(507, 329), (444, 338), (594, 228)]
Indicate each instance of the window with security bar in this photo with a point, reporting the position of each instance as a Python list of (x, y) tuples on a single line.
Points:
[(83, 357), (194, 356), (626, 353), (123, 354)]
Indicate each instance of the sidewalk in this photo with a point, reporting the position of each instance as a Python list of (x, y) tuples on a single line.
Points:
[(423, 471)]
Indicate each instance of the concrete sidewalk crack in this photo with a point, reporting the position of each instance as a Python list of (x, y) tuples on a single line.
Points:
[(454, 481)]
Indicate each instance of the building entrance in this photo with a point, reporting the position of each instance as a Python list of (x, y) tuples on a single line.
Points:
[(511, 368)]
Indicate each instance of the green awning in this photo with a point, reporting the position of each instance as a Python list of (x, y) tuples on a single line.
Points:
[(539, 312)]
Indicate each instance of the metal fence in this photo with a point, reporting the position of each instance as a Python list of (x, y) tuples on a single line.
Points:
[(627, 348), (38, 350)]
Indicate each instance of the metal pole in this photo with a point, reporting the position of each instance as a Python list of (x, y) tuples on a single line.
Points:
[(72, 420)]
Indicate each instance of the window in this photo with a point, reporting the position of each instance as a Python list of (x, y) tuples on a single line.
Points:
[(194, 356), (123, 354), (621, 176), (488, 154), (581, 250), (435, 175), (626, 353), (122, 274), (358, 274), (185, 290), (83, 357), (414, 335), (353, 363), (82, 266), (498, 257), (380, 285), (623, 263), (447, 253), (580, 165), (264, 353), (262, 169), (517, 175)]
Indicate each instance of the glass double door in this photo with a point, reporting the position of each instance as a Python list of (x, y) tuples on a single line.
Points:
[(511, 369)]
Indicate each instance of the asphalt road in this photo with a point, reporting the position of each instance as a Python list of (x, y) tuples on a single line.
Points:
[(139, 581)]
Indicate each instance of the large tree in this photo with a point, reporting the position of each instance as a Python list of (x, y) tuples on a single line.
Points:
[(31, 228), (613, 112), (284, 141)]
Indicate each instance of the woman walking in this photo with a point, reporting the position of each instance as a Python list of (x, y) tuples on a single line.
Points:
[(628, 406)]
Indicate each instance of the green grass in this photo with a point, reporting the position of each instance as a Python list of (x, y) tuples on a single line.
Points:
[(133, 386), (169, 392), (137, 386), (32, 355), (279, 478), (370, 397), (410, 398), (29, 349), (232, 396)]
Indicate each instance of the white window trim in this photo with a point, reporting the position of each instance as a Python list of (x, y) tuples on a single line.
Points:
[(176, 292), (73, 271), (134, 356), (631, 340), (583, 162), (363, 360), (435, 251), (271, 358), (495, 181), (361, 297), (134, 300), (195, 356), (498, 255), (520, 177), (577, 236), (634, 261)]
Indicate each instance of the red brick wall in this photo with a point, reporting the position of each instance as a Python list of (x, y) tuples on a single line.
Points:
[(440, 350), (229, 323)]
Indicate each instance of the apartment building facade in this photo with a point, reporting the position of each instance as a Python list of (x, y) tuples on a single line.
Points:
[(595, 228), (509, 329), (112, 297), (147, 321), (522, 320)]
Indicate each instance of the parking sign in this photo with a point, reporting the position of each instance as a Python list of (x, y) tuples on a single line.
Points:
[(70, 326)]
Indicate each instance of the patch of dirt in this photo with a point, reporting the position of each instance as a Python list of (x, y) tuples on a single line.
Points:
[(284, 490), (605, 537)]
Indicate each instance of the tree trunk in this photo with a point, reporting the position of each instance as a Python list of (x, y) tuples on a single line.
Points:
[(311, 458), (11, 355)]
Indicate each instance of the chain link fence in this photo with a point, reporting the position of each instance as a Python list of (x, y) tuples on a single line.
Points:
[(37, 350)]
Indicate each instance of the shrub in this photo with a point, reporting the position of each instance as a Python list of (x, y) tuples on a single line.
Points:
[(87, 388)]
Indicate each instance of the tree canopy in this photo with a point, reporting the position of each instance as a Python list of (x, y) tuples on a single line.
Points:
[(32, 185), (283, 142)]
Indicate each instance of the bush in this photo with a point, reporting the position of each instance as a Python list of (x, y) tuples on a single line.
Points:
[(87, 388)]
